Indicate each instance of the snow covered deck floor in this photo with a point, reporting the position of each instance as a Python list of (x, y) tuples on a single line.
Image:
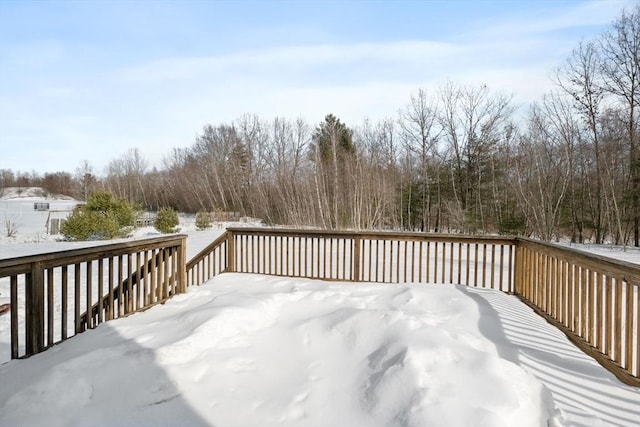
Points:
[(255, 350), (587, 394)]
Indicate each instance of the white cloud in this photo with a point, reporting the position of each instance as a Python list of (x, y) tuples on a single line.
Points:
[(298, 57)]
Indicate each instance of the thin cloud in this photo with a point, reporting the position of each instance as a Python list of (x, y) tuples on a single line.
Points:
[(587, 14), (301, 56)]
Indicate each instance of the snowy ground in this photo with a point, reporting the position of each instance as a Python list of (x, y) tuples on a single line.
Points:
[(622, 253), (249, 350)]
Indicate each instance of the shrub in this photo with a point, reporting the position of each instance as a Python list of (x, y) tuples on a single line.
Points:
[(102, 217), (203, 220), (84, 224), (123, 212), (166, 220), (10, 226)]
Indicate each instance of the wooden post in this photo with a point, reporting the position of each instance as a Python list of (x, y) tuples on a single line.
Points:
[(231, 264), (517, 269), (182, 266), (34, 306), (356, 259)]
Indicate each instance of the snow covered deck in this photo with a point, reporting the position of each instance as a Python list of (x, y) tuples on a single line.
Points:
[(251, 349), (254, 350)]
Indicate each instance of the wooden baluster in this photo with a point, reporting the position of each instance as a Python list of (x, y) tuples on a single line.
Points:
[(435, 262), (405, 260), (475, 262), (13, 294), (65, 302), (384, 261), (451, 262), (76, 281), (629, 327), (50, 307)]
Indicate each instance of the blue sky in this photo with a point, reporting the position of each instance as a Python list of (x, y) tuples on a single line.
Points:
[(89, 80)]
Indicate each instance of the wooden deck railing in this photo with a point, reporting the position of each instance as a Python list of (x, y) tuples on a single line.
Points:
[(374, 256), (209, 262), (594, 300), (65, 293)]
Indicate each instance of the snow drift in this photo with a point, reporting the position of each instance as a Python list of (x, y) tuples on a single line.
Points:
[(263, 351)]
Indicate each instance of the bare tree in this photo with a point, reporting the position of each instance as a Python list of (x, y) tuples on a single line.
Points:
[(125, 176), (579, 79), (86, 179), (542, 174), (474, 122), (620, 47), (420, 131)]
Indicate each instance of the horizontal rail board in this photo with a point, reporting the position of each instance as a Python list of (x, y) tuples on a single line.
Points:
[(612, 267), (382, 235), (207, 250), (72, 256)]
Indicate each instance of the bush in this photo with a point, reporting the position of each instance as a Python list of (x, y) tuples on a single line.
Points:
[(102, 217), (166, 220), (203, 220), (123, 212)]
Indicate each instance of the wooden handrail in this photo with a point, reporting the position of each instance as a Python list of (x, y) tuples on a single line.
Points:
[(386, 235), (194, 272), (603, 264), (72, 256), (206, 251)]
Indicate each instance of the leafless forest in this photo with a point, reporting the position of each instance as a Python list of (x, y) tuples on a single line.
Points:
[(456, 159)]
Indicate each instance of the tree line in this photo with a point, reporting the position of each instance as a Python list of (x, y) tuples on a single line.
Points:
[(456, 159)]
